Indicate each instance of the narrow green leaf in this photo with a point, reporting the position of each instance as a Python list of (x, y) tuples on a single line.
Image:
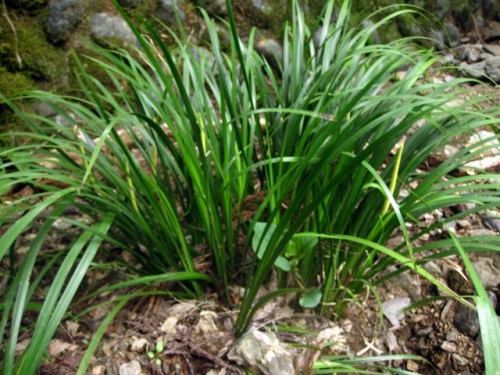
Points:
[(97, 337), (488, 319), (53, 310), (260, 241), (14, 231)]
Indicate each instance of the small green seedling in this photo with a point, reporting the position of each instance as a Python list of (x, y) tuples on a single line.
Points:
[(158, 350)]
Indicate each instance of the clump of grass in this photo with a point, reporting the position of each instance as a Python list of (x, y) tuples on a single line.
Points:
[(195, 154)]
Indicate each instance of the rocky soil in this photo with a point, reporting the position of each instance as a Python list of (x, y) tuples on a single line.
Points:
[(158, 334)]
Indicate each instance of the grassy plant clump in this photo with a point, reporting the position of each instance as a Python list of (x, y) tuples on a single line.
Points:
[(195, 155)]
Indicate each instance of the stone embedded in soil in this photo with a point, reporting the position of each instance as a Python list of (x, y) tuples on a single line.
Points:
[(104, 26), (98, 370), (487, 272), (493, 68), (466, 320), (57, 347), (393, 309), (139, 345), (490, 222), (449, 346), (206, 324), (412, 366), (493, 49), (391, 341), (131, 368), (263, 353), (169, 326), (410, 285), (331, 335)]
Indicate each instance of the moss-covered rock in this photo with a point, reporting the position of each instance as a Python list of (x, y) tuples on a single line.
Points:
[(39, 60)]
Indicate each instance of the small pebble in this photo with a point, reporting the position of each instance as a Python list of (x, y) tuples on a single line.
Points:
[(449, 346), (451, 336)]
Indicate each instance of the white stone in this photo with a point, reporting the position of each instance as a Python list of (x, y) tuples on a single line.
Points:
[(130, 368)]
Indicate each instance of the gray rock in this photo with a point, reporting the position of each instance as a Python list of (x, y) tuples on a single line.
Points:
[(130, 368), (476, 70), (491, 222), (270, 49), (466, 320), (481, 232), (437, 38), (411, 286), (492, 68), (433, 268), (485, 56), (492, 33), (451, 336), (169, 10), (263, 6), (45, 110), (375, 36), (263, 353), (469, 52), (487, 272), (63, 17), (493, 49), (473, 52), (452, 34), (394, 309), (449, 58), (111, 28)]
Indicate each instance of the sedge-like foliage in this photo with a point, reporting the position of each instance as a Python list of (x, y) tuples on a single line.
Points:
[(341, 117), (189, 148)]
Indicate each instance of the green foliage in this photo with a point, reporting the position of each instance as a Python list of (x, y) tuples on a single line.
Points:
[(344, 365), (311, 299), (488, 320), (260, 241), (189, 153)]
